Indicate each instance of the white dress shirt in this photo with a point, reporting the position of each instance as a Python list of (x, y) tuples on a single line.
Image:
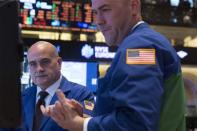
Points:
[(51, 90)]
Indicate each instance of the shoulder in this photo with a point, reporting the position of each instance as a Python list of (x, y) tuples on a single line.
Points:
[(79, 88), (78, 92), (28, 94), (146, 37), (29, 91)]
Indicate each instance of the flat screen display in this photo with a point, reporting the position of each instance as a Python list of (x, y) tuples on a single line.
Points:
[(10, 98), (177, 2), (56, 14), (84, 73)]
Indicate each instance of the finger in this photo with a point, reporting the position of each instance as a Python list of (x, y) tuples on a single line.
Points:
[(63, 100), (49, 111), (58, 112), (44, 110), (61, 96), (60, 108), (75, 103), (77, 107)]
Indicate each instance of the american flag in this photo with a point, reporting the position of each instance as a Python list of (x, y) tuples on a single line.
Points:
[(140, 56)]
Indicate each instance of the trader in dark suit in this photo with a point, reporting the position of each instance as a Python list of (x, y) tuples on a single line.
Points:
[(45, 64), (142, 89)]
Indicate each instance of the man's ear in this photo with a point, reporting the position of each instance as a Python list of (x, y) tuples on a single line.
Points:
[(135, 7), (59, 61)]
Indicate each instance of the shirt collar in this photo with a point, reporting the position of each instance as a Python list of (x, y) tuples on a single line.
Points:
[(138, 23), (52, 88)]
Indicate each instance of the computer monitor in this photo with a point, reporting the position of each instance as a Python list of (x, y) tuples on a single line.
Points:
[(84, 73), (10, 104), (72, 15)]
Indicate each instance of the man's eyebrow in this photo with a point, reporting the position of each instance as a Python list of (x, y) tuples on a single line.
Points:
[(44, 59), (103, 6), (31, 62)]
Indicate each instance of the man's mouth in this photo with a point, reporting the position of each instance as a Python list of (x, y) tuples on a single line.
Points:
[(40, 75), (105, 30)]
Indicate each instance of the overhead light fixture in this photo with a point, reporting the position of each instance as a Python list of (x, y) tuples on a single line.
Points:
[(182, 54)]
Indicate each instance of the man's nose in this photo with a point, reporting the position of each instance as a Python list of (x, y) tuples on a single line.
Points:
[(39, 67), (99, 19)]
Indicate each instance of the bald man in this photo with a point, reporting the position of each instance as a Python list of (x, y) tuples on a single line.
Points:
[(45, 64)]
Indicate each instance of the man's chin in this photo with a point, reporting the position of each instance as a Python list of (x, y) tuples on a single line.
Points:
[(43, 87), (109, 43), (41, 83)]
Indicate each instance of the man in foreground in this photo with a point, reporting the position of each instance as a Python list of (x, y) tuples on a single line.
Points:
[(143, 88)]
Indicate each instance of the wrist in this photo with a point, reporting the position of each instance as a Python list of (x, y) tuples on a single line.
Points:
[(77, 124)]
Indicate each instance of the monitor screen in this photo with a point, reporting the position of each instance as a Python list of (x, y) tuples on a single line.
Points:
[(57, 14), (179, 2), (174, 2), (75, 71), (84, 73), (10, 104)]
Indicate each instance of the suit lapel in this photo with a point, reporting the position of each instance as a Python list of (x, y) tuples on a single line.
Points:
[(29, 107), (64, 86)]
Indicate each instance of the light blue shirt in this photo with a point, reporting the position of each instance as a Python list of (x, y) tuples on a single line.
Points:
[(51, 90)]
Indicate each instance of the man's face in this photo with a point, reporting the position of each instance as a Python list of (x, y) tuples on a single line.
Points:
[(44, 68), (113, 18)]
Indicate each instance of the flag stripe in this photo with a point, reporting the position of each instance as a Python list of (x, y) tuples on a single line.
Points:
[(140, 56)]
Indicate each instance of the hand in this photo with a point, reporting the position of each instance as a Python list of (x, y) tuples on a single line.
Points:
[(75, 105), (67, 113)]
